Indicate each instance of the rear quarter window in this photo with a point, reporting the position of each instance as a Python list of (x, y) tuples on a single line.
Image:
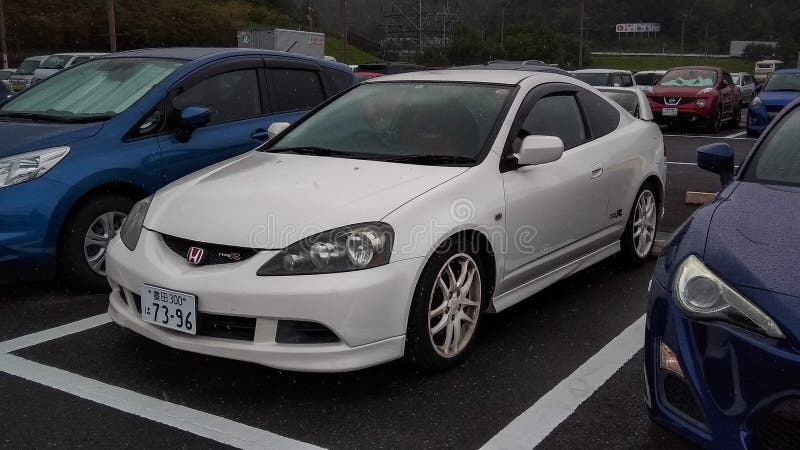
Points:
[(603, 117)]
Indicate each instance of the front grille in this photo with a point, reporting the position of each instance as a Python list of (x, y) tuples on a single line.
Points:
[(679, 396), (778, 428), (669, 101), (217, 326), (212, 253)]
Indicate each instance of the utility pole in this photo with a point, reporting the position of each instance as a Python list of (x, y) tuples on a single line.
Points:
[(502, 25), (3, 48), (112, 26), (310, 18), (706, 38), (580, 41), (419, 29), (343, 23), (683, 30)]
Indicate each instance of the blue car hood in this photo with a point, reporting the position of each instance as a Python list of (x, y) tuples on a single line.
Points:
[(754, 238), (777, 98), (21, 137)]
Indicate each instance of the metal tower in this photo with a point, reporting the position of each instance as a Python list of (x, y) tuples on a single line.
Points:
[(413, 26)]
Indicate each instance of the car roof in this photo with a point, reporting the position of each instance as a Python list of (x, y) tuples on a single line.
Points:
[(196, 53), (37, 58), (508, 77), (510, 65), (78, 54), (793, 71), (657, 72), (600, 71)]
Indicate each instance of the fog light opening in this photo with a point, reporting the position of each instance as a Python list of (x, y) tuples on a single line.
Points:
[(668, 360)]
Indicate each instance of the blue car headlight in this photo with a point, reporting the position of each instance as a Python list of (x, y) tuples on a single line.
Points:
[(701, 294), (29, 166), (755, 103), (132, 227)]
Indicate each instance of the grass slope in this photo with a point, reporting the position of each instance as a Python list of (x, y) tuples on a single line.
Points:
[(333, 47), (635, 63)]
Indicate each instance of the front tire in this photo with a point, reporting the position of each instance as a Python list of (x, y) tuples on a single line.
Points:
[(85, 238), (714, 124), (640, 231), (446, 308)]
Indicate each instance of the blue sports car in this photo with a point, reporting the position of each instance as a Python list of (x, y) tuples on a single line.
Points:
[(722, 346), (782, 88)]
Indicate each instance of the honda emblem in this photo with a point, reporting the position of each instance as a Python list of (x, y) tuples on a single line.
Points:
[(195, 255)]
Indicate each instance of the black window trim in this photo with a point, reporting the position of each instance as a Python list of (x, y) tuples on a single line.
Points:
[(299, 67), (507, 163)]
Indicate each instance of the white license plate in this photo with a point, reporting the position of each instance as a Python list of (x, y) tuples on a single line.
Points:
[(169, 309), (670, 112)]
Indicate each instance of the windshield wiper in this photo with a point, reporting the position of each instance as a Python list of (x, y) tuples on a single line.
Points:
[(432, 159), (314, 151), (51, 118)]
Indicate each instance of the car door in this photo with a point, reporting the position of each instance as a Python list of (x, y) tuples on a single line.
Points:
[(235, 93), (295, 87), (552, 210)]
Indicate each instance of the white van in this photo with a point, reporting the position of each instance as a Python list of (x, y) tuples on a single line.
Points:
[(60, 61), (765, 68)]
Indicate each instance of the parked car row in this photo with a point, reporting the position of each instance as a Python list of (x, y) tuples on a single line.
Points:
[(36, 68)]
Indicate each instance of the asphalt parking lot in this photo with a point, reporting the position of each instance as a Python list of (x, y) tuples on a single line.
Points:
[(68, 378)]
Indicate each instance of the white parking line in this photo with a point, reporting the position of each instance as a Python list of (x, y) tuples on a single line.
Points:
[(736, 135), (193, 421), (689, 164), (532, 426), (30, 340), (197, 422)]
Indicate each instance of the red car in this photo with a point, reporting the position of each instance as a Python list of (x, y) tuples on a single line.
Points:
[(704, 96)]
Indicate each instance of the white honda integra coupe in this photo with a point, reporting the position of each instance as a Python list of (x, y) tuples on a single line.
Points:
[(388, 221)]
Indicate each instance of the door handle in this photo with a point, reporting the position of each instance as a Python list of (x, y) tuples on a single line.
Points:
[(260, 135), (597, 171)]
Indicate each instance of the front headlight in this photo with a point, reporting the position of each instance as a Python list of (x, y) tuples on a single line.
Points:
[(755, 103), (29, 166), (703, 295), (132, 227), (354, 247), (700, 102)]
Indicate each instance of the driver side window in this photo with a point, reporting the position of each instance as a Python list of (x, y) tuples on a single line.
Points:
[(229, 96), (556, 115)]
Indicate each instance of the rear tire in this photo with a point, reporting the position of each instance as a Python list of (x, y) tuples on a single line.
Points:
[(640, 231), (447, 307), (86, 233)]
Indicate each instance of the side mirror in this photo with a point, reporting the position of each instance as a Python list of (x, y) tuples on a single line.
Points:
[(191, 118), (537, 150), (717, 158), (276, 129)]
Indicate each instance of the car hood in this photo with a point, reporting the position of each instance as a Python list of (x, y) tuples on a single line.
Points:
[(21, 137), (269, 201), (678, 91), (778, 98), (754, 238)]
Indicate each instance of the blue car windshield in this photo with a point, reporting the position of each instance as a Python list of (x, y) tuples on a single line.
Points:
[(101, 88), (777, 161), (783, 82)]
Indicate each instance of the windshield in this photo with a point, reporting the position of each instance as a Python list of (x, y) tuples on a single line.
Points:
[(593, 79), (689, 77), (777, 160), (28, 67), (787, 82), (101, 87), (646, 79), (386, 120), (736, 78), (55, 62)]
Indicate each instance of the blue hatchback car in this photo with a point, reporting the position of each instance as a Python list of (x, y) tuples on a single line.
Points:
[(782, 88), (79, 148), (722, 347)]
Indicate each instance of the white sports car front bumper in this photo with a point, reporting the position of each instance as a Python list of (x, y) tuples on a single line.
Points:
[(367, 310)]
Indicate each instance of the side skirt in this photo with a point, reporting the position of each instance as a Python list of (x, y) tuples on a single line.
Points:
[(524, 291)]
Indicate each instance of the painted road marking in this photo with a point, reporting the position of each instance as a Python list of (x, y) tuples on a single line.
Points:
[(689, 164), (32, 339), (531, 427), (736, 135), (197, 422), (709, 137), (183, 418)]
